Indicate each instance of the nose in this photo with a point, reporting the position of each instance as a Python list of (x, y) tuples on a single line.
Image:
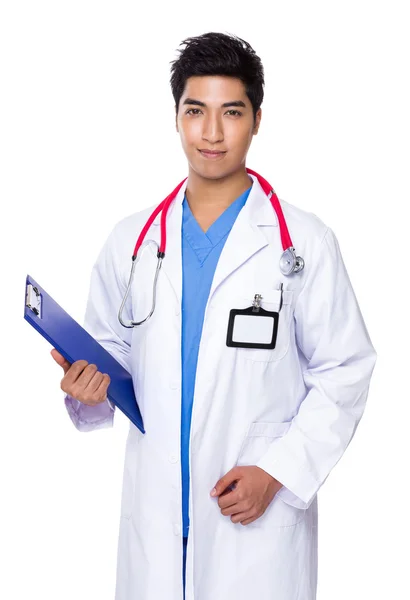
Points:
[(212, 129)]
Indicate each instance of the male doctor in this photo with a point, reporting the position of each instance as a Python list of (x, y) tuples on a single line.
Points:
[(220, 494)]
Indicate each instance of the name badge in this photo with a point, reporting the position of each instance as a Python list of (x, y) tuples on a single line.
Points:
[(252, 327)]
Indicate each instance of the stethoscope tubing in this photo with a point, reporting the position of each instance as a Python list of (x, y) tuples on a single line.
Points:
[(289, 263), (165, 204)]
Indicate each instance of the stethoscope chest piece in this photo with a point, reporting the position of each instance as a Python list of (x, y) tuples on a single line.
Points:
[(290, 263)]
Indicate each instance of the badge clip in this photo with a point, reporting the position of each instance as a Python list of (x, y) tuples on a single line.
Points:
[(256, 304)]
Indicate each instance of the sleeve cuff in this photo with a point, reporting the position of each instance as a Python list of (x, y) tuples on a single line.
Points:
[(112, 407), (89, 418), (290, 498), (299, 485)]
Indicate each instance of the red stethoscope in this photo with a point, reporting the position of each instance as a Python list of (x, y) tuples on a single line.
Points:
[(289, 263)]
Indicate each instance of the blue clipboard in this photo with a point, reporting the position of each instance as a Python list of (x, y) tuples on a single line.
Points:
[(75, 343)]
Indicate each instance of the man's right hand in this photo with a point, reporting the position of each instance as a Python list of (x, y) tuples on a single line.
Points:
[(82, 381)]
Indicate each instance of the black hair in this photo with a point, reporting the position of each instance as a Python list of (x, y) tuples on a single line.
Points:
[(218, 54)]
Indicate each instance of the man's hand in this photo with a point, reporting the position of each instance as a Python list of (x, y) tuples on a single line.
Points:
[(253, 491), (82, 381)]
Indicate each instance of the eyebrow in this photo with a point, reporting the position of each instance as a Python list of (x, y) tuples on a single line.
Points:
[(225, 105)]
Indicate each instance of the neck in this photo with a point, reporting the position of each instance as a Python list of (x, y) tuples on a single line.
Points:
[(215, 194)]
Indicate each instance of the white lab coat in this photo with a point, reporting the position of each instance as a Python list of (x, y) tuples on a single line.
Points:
[(292, 410)]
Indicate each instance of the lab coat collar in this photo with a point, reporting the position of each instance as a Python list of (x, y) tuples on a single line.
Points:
[(244, 239), (258, 209)]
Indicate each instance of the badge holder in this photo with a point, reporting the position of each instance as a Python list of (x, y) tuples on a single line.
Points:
[(253, 327)]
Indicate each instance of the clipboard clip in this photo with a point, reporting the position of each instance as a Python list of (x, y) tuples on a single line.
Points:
[(33, 299)]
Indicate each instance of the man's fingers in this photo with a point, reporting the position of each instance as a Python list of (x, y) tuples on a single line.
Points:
[(243, 518), (60, 360), (238, 507), (226, 480), (83, 381), (102, 388), (86, 378), (94, 383), (228, 499), (75, 371), (247, 521)]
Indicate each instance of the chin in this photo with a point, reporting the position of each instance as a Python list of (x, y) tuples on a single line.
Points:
[(214, 171)]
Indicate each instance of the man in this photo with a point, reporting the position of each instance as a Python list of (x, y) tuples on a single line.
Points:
[(257, 430)]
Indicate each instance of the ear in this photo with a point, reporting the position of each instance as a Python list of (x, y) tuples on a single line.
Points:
[(258, 118)]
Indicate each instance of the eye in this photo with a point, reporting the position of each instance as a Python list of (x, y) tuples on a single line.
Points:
[(196, 111)]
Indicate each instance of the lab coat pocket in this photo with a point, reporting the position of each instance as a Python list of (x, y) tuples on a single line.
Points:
[(259, 438), (131, 461), (271, 299)]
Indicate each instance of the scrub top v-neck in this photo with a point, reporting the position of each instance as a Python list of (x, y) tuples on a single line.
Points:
[(200, 254)]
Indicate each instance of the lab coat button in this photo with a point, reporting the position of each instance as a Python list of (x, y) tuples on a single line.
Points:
[(172, 458), (177, 529), (174, 385)]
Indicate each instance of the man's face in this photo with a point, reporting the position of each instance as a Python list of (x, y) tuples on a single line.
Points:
[(215, 113)]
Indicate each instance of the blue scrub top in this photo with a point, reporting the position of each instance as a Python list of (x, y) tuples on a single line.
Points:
[(200, 255)]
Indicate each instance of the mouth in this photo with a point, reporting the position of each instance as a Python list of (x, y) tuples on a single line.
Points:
[(211, 154)]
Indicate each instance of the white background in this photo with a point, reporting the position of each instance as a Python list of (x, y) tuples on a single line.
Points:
[(87, 137)]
